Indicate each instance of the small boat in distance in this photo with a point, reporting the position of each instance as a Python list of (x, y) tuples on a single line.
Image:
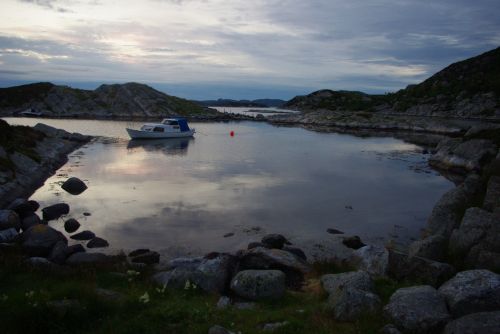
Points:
[(175, 127)]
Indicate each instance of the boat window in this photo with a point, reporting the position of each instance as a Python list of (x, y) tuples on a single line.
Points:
[(170, 122), (158, 129), (146, 128)]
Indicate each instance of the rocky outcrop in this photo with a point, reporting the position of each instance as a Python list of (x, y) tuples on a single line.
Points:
[(475, 323), (33, 155)]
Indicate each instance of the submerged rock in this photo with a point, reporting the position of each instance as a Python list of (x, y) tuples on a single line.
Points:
[(74, 186), (259, 284)]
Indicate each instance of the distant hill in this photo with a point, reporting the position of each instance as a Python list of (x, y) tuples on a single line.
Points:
[(260, 103), (132, 100), (466, 89)]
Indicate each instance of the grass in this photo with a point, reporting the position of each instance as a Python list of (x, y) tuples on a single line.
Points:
[(24, 293)]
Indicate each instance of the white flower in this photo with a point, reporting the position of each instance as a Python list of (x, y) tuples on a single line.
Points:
[(144, 298)]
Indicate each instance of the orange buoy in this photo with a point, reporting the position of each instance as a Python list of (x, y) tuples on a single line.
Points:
[(231, 133)]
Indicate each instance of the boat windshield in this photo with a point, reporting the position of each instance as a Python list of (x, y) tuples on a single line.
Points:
[(170, 122)]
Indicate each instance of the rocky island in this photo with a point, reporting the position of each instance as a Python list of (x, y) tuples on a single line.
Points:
[(447, 282)]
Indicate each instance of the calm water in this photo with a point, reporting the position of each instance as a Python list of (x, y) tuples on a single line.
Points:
[(184, 195)]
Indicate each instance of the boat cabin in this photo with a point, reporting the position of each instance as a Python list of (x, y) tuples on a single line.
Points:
[(167, 125)]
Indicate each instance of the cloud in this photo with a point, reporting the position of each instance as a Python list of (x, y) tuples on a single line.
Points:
[(272, 43)]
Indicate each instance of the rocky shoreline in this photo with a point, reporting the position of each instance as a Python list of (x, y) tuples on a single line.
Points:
[(450, 272)]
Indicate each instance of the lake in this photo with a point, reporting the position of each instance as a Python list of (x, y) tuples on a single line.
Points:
[(187, 196)]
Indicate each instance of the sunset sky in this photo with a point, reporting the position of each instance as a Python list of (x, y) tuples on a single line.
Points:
[(204, 49)]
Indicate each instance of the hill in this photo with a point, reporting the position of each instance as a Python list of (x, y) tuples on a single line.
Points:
[(130, 100), (466, 89)]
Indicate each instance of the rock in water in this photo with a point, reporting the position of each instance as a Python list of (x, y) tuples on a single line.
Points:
[(74, 186), (9, 219), (71, 225), (417, 309), (97, 243), (39, 240), (55, 211), (138, 252), (259, 284), (472, 291), (353, 242), (274, 241), (25, 208), (84, 235)]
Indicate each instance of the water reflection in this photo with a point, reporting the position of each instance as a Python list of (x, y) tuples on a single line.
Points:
[(169, 146)]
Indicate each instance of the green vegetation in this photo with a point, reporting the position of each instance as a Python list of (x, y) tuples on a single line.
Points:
[(25, 292)]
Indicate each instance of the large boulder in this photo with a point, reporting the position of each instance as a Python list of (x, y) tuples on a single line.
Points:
[(448, 211), (475, 323), (74, 186), (59, 252), (30, 221), (477, 240), (350, 304), (9, 219), (403, 267), (417, 309), (433, 247), (334, 283), (209, 274), (8, 235), (263, 258), (39, 240), (274, 241), (492, 198), (371, 259), (259, 284), (24, 208), (472, 291), (455, 155), (55, 211)]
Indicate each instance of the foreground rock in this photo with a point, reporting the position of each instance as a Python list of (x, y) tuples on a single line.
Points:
[(149, 257), (30, 221), (472, 291), (259, 284), (353, 242), (418, 309), (74, 186), (89, 259), (97, 243), (84, 235), (476, 323), (211, 275), (350, 304), (263, 258), (40, 239), (371, 259), (403, 267), (8, 235), (218, 330), (477, 239), (334, 283), (55, 211), (9, 219)]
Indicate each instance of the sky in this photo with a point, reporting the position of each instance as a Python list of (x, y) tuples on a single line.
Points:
[(207, 49)]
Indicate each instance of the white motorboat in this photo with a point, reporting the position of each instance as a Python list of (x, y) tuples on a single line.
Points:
[(176, 127)]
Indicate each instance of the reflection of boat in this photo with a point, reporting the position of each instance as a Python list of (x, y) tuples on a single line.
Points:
[(169, 146), (31, 112), (168, 128)]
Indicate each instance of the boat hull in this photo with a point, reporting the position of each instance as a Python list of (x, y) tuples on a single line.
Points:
[(138, 134)]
